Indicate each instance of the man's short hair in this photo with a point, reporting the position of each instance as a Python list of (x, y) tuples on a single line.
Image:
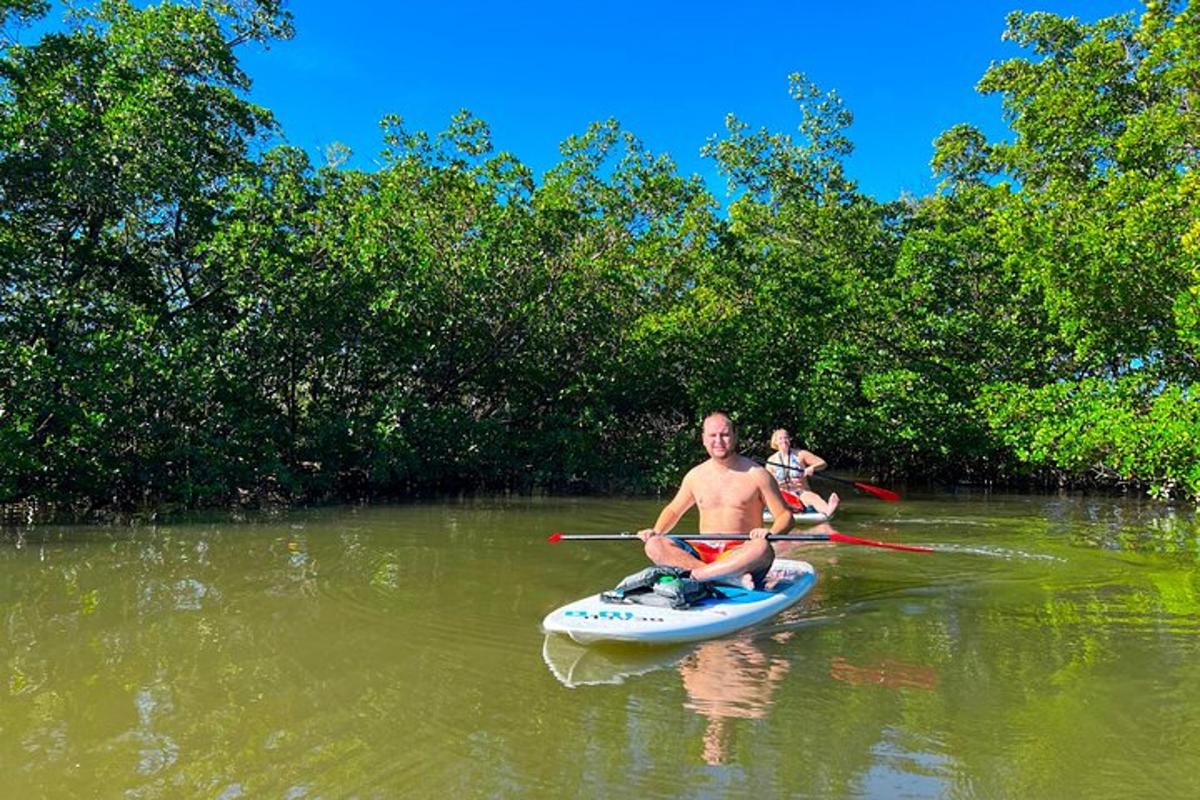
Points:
[(719, 413)]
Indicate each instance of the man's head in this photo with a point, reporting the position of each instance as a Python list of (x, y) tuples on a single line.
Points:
[(719, 436)]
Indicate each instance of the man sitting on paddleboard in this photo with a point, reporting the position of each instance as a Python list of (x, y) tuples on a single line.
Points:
[(792, 469), (730, 491)]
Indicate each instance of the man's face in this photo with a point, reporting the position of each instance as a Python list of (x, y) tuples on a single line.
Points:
[(718, 437)]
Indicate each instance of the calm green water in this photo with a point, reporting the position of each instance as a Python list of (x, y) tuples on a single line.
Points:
[(1051, 650)]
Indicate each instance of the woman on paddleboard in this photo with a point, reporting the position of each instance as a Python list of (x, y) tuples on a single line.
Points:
[(792, 469)]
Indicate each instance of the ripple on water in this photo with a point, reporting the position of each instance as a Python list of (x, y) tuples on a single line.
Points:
[(945, 522), (907, 766), (992, 551)]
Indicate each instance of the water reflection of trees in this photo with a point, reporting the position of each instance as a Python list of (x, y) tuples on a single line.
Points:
[(223, 660), (260, 661), (128, 648)]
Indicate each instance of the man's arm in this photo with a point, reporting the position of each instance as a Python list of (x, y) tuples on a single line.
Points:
[(774, 502), (673, 511)]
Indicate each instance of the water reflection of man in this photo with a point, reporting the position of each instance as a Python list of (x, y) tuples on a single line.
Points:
[(725, 680)]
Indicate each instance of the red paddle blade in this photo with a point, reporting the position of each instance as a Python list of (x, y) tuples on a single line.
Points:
[(791, 498), (882, 494), (554, 537), (908, 548)]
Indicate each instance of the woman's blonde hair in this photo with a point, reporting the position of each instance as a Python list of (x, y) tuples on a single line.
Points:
[(775, 437)]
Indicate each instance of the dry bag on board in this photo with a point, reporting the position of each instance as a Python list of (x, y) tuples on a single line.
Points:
[(666, 587)]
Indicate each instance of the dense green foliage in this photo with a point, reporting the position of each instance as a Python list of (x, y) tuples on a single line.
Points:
[(186, 316)]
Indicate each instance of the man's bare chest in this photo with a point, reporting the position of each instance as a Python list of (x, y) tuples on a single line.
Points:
[(727, 492)]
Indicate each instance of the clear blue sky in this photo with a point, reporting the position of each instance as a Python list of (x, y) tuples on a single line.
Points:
[(538, 72)]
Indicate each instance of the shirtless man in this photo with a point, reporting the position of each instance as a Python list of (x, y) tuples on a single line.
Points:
[(731, 491)]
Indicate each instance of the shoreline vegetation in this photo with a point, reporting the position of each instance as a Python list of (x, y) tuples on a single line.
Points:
[(192, 316), (19, 518)]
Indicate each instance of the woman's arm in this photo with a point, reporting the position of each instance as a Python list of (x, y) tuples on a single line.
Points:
[(812, 462)]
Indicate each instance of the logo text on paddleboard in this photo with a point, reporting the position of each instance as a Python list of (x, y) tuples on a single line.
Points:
[(617, 615)]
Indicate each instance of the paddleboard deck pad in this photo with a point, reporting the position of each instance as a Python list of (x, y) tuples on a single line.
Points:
[(593, 620)]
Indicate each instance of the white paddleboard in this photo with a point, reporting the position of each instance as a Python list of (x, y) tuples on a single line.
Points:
[(800, 516), (592, 620)]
